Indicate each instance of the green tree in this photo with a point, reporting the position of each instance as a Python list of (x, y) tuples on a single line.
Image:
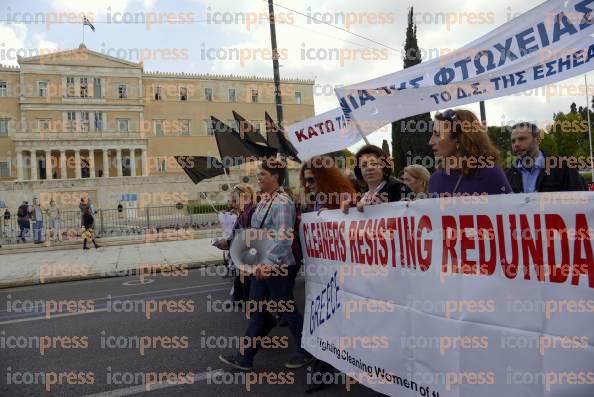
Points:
[(411, 135), (342, 158), (549, 145), (386, 146), (569, 131)]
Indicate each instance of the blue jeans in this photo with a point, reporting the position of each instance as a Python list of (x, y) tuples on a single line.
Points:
[(274, 288), (24, 230), (37, 231)]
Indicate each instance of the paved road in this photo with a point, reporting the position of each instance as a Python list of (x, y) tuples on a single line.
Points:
[(102, 324)]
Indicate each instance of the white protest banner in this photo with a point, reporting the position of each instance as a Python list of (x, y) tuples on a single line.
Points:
[(552, 42), (324, 133), (484, 296)]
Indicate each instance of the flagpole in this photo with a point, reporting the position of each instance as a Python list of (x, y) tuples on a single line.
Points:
[(83, 30), (589, 125)]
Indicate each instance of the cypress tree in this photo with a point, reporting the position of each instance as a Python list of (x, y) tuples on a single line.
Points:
[(410, 136)]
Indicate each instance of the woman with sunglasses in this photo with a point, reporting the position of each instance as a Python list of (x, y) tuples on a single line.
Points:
[(466, 159), (325, 188), (324, 185)]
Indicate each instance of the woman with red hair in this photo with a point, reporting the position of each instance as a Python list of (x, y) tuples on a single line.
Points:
[(324, 185)]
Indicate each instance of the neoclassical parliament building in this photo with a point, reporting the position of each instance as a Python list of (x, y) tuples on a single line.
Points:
[(80, 122)]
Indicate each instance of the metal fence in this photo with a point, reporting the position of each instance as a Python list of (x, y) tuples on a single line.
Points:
[(114, 223)]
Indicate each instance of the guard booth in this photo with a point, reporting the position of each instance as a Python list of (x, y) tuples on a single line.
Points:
[(130, 205)]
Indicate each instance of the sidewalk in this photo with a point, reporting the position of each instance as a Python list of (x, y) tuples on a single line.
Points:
[(42, 266)]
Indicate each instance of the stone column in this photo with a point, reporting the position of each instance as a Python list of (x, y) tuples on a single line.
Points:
[(48, 165), (63, 169), (33, 165), (91, 160), (19, 165), (132, 163), (78, 174), (119, 161), (106, 163), (144, 159)]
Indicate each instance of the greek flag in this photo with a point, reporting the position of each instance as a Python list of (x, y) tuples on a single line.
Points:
[(88, 23)]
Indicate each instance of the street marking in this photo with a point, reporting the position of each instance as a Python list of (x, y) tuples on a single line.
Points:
[(128, 391), (145, 292), (97, 310), (139, 282)]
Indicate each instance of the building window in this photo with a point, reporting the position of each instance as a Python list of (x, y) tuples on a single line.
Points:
[(71, 121), (69, 86), (208, 128), (42, 88), (162, 164), (159, 128), (4, 127), (96, 87), (84, 121), (3, 88), (184, 127), (232, 95), (157, 93), (44, 125), (4, 168), (84, 87), (98, 121), (298, 97), (208, 94), (183, 94), (123, 125), (255, 96), (122, 91)]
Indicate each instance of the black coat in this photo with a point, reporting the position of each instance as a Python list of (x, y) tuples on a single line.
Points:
[(88, 221), (559, 179), (394, 190)]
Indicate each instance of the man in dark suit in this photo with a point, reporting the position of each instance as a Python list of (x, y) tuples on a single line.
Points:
[(534, 170)]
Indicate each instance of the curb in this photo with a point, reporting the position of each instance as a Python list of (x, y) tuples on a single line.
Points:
[(125, 272), (105, 242)]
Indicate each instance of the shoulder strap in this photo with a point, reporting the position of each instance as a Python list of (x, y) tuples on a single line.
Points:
[(267, 210), (457, 184)]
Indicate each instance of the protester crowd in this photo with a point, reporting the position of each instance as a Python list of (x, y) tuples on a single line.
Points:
[(466, 163)]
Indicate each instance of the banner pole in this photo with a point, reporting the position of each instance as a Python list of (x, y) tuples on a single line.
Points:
[(205, 196), (360, 132), (227, 176), (589, 126)]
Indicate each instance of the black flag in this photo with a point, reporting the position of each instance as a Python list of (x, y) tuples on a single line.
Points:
[(248, 131), (238, 150), (199, 168), (277, 139)]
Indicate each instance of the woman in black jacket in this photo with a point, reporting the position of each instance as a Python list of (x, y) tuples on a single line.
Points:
[(374, 167), (88, 222)]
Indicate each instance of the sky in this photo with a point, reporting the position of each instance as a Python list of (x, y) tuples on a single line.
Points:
[(233, 37)]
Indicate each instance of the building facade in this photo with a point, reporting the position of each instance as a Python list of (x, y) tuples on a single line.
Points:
[(83, 123)]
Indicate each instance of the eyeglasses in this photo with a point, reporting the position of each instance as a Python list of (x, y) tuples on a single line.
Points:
[(238, 188)]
